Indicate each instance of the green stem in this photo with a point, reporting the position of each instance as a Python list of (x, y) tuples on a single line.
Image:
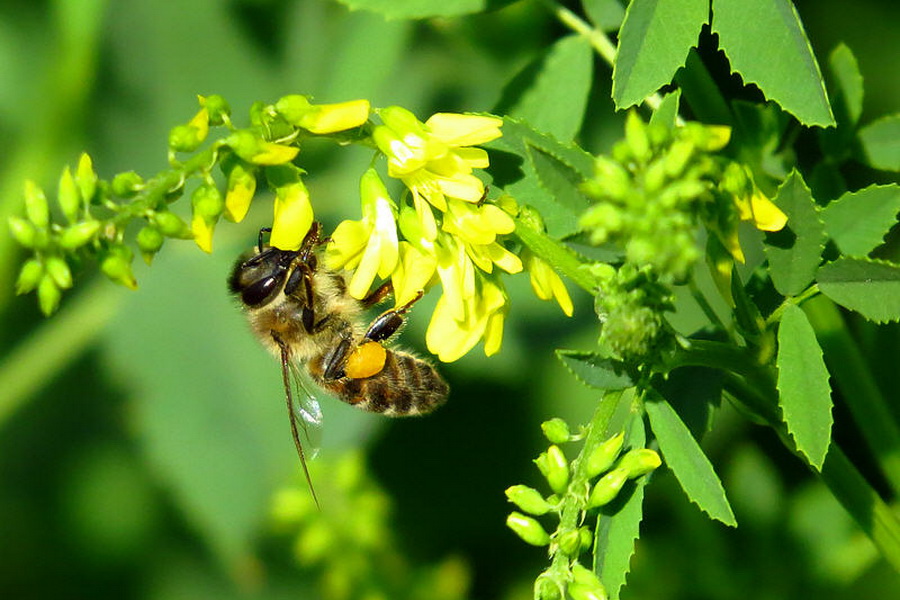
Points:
[(574, 501), (53, 346), (598, 39), (868, 406), (555, 253)]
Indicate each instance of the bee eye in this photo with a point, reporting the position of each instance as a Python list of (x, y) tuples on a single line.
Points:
[(259, 291)]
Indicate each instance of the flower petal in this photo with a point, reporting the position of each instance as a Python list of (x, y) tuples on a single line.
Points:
[(464, 130)]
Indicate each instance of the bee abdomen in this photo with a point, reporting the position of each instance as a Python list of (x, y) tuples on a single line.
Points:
[(405, 387)]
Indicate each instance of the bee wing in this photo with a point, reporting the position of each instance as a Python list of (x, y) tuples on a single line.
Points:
[(303, 409)]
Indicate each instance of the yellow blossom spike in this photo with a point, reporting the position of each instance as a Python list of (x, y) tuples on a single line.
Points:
[(464, 130)]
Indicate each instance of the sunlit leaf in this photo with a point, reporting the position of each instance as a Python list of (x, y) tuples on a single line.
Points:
[(858, 221), (880, 141), (804, 393), (869, 287), (594, 370)]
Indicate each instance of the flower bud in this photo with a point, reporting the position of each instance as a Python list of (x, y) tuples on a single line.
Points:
[(241, 187), (291, 506), (556, 430), (86, 179), (207, 204), (323, 118), (655, 176), (528, 529), (216, 107), (59, 271), (258, 151), (29, 276), (67, 196), (77, 235), (639, 461), (48, 295), (570, 543), (585, 585), (555, 468), (636, 137), (185, 138), (607, 488), (677, 157), (401, 121), (116, 264), (127, 184), (293, 107), (604, 455), (36, 205), (23, 232), (546, 588), (586, 538), (171, 225), (149, 240), (528, 499)]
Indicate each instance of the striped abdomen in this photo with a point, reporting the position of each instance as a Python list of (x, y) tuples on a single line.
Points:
[(406, 386)]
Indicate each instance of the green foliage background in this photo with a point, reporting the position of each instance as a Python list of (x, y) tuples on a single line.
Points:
[(140, 462)]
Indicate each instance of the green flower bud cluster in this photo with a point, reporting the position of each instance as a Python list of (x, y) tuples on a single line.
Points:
[(96, 214), (653, 191), (592, 480), (348, 542)]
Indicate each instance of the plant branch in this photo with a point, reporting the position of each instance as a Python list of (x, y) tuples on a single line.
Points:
[(555, 253)]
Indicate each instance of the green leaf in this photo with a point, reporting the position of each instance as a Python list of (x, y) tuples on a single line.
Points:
[(593, 370), (653, 43), (869, 287), (794, 252), (881, 143), (701, 92), (858, 221), (559, 180), (618, 524), (555, 100), (687, 461), (514, 168), (765, 43), (847, 95), (804, 393), (667, 111), (607, 15)]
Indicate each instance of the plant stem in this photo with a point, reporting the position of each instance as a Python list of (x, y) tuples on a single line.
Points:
[(555, 253), (55, 344), (598, 39), (868, 406)]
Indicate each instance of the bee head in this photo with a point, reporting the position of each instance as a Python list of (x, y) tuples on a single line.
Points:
[(259, 278)]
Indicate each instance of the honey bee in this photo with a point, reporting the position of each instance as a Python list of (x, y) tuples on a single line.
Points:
[(304, 315)]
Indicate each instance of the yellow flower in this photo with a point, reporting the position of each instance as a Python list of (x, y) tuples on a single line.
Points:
[(762, 211), (293, 211), (546, 284), (415, 269), (450, 336), (241, 187), (323, 118), (369, 246)]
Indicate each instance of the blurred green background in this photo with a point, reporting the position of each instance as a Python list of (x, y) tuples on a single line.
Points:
[(142, 434)]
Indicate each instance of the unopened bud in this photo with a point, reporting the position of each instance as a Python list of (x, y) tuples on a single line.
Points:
[(314, 543), (677, 157), (585, 585), (586, 538), (258, 151), (29, 276), (48, 295), (185, 138), (241, 187), (528, 529), (603, 456), (556, 430), (59, 271), (36, 205), (636, 137), (555, 468), (607, 488), (208, 205), (116, 264), (528, 499), (171, 225), (149, 240), (570, 543), (67, 196), (546, 588), (127, 184), (639, 461), (77, 235), (217, 108), (86, 178), (23, 231)]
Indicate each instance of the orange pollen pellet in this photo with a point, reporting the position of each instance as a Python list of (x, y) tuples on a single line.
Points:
[(366, 360)]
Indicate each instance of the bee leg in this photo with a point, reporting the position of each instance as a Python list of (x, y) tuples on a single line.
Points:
[(380, 293), (387, 323), (300, 286), (335, 360)]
